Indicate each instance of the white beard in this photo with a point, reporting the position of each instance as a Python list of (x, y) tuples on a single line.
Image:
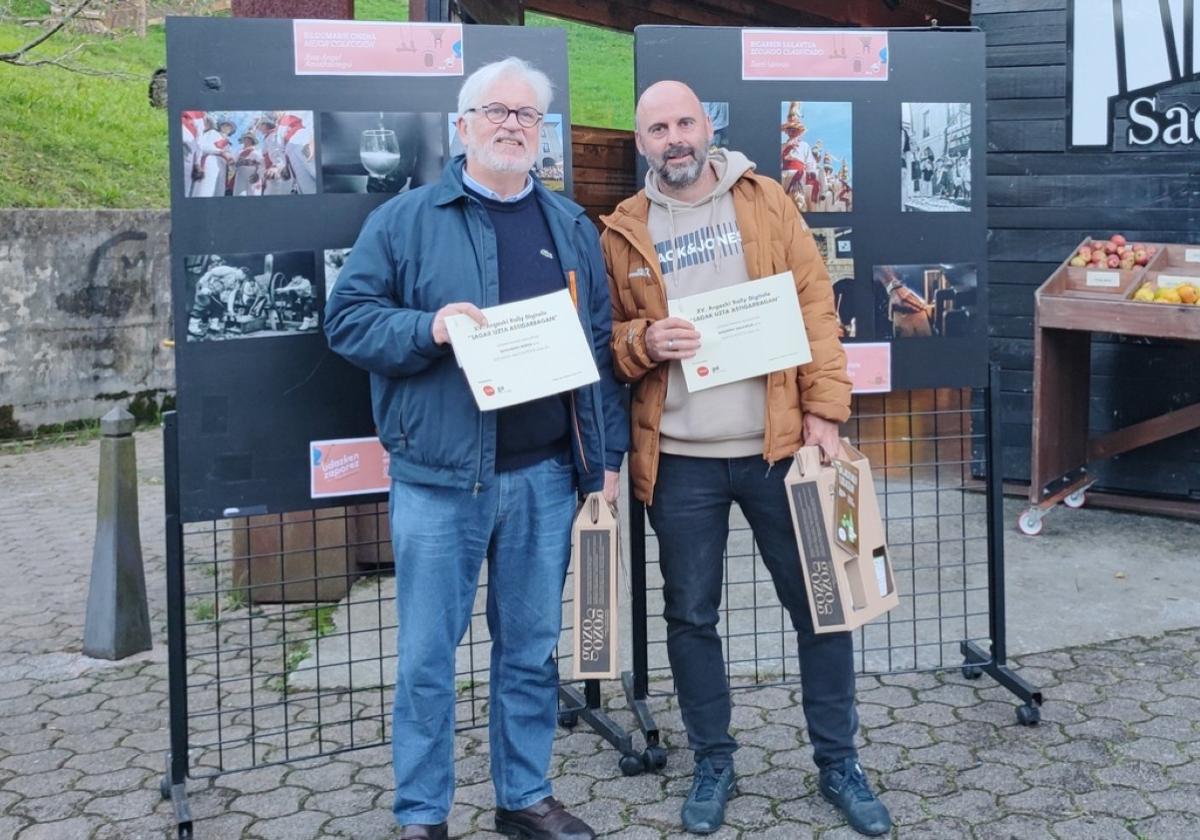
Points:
[(487, 157)]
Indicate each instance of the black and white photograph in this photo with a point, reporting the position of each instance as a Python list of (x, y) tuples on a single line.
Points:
[(550, 164), (935, 157), (379, 151), (925, 301), (837, 250), (248, 153), (251, 295), (718, 112), (335, 258)]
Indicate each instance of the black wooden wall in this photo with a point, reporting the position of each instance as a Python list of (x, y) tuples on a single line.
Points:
[(1042, 200)]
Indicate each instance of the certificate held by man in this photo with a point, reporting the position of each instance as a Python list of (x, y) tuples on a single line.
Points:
[(527, 350), (747, 329)]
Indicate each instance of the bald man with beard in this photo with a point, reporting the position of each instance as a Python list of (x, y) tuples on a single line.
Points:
[(706, 221)]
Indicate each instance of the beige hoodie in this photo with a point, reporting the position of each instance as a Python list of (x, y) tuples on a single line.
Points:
[(700, 249)]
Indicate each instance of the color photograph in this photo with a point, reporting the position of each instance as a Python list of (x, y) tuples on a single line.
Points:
[(248, 153), (837, 250), (718, 112), (935, 154), (925, 301), (379, 152), (250, 295), (816, 161)]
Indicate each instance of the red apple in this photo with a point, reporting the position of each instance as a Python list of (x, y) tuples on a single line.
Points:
[(1113, 261), (1121, 249), (1086, 253), (1141, 257), (1118, 239), (1110, 247)]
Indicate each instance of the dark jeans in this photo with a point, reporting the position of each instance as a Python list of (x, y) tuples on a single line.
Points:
[(690, 515)]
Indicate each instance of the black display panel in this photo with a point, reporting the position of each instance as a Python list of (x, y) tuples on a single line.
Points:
[(908, 255), (255, 234)]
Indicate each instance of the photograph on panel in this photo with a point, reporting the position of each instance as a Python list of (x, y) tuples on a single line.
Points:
[(335, 258), (549, 166), (816, 160), (926, 301), (718, 112), (251, 295), (837, 251), (379, 151), (935, 153), (248, 153)]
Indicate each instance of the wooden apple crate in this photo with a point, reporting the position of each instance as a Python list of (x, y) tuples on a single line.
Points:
[(1071, 305)]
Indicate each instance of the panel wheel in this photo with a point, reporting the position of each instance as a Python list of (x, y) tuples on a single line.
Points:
[(631, 765), (568, 720), (971, 672), (1029, 523), (1029, 715), (654, 758), (1076, 500)]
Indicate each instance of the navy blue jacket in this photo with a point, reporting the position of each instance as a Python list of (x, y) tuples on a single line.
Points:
[(434, 246)]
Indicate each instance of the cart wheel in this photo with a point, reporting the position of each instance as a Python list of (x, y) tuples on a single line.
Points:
[(1029, 715), (631, 765), (971, 672), (1076, 500), (1029, 523), (654, 758), (568, 720), (164, 786)]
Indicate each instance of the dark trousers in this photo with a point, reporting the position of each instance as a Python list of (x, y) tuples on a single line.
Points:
[(690, 515)]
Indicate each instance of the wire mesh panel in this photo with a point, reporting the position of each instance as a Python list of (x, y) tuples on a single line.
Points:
[(291, 639), (926, 451)]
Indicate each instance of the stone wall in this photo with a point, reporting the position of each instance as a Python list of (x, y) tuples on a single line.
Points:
[(85, 304)]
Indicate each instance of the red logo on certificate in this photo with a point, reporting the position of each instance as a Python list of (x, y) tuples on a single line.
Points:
[(489, 390), (702, 371)]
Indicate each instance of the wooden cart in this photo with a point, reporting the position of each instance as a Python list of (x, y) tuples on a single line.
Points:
[(1071, 305)]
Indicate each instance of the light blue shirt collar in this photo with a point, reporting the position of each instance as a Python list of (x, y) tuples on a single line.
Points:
[(487, 192)]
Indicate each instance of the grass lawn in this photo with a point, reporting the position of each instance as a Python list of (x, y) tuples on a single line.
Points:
[(70, 140)]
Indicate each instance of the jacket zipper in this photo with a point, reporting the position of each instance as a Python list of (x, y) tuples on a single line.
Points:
[(479, 422)]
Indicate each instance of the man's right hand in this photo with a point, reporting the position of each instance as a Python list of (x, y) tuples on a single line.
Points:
[(671, 338), (440, 334)]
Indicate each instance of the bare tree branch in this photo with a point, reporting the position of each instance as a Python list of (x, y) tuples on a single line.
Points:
[(17, 57)]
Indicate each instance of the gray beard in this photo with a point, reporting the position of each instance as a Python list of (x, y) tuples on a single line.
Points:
[(681, 178)]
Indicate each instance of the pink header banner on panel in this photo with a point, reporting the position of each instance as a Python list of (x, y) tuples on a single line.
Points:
[(870, 367), (348, 467), (362, 48), (852, 55)]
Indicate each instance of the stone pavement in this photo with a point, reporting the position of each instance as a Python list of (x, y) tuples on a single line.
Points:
[(1117, 754)]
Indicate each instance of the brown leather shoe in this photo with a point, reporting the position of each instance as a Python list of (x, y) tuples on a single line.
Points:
[(424, 832), (544, 820)]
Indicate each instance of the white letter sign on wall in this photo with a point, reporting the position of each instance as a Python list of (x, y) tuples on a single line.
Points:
[(1128, 51)]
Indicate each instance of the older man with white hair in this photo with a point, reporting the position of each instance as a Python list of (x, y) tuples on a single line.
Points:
[(468, 484)]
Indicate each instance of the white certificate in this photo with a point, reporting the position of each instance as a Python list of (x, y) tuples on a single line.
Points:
[(529, 349), (747, 329)]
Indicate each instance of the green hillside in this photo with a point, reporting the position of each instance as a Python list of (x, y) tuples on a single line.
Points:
[(74, 140)]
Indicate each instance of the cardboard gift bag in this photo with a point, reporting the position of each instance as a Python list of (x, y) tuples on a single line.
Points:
[(841, 538), (595, 547)]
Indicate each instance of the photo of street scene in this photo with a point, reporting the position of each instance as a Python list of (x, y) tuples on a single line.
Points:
[(837, 250), (718, 112), (250, 295), (935, 153)]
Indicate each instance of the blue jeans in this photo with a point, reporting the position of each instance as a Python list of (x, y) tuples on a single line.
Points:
[(690, 516), (522, 524)]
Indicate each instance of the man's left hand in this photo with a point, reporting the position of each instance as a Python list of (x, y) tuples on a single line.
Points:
[(612, 486), (824, 433)]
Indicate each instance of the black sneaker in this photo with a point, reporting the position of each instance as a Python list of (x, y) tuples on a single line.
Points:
[(704, 810), (846, 786)]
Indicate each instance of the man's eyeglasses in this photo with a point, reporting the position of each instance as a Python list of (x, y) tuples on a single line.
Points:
[(497, 113)]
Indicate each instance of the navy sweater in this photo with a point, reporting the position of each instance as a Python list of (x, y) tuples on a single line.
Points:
[(537, 430)]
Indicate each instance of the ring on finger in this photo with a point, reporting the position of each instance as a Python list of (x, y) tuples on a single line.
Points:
[(670, 343)]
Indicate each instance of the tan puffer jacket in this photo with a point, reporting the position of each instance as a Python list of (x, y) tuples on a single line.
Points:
[(774, 239)]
